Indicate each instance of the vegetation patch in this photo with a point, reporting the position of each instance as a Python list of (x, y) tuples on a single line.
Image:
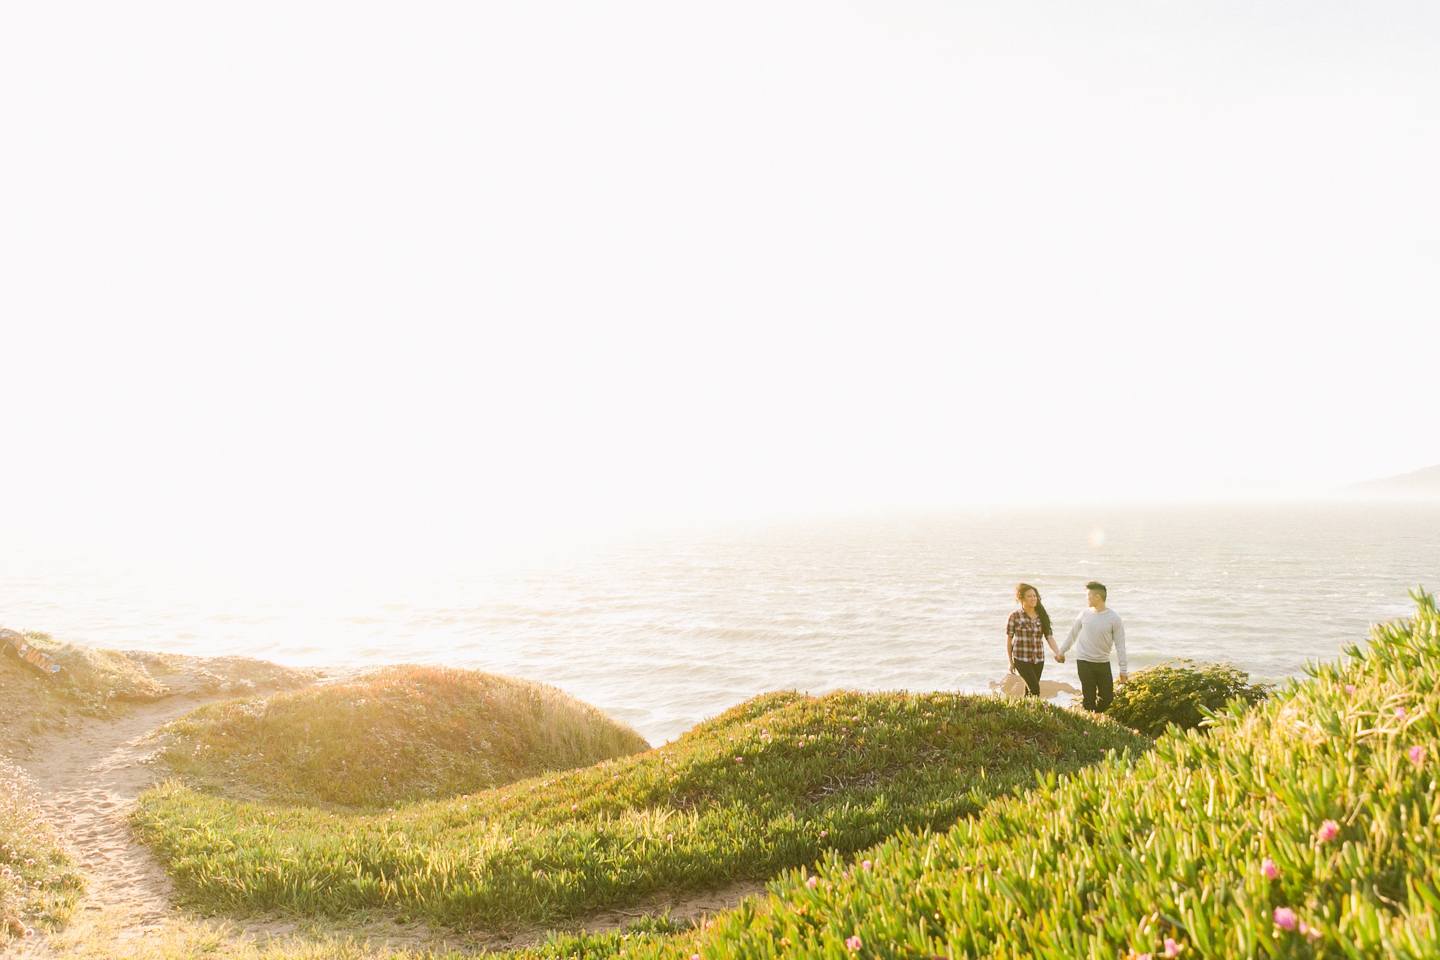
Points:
[(105, 683), (1181, 693), (772, 784), (38, 880), (1308, 826), (396, 735)]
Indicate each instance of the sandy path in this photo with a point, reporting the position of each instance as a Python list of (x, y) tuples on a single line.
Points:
[(88, 779)]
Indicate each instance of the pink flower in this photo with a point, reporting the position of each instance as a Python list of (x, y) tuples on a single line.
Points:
[(1285, 918), (739, 759), (823, 832), (1349, 688), (694, 956), (1399, 713), (1416, 754), (1327, 831), (853, 944), (813, 882), (1268, 868), (866, 865), (1172, 949)]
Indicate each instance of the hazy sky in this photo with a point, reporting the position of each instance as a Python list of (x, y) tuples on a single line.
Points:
[(338, 279)]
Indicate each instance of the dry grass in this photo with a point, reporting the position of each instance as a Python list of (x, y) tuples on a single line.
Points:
[(103, 683), (402, 733)]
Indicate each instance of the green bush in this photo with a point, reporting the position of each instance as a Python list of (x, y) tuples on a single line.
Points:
[(1181, 693), (1306, 827)]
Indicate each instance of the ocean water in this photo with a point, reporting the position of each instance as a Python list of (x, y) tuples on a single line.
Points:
[(666, 631)]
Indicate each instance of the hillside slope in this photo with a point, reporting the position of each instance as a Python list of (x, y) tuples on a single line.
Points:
[(772, 784)]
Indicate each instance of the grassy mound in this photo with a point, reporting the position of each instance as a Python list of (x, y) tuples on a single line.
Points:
[(1306, 827), (772, 784), (400, 734), (38, 882)]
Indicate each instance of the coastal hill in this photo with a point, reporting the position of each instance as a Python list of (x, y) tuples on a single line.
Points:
[(1422, 484)]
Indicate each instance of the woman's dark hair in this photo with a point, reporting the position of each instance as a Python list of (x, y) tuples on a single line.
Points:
[(1039, 607)]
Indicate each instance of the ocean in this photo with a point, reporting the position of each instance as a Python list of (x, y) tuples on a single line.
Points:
[(664, 631)]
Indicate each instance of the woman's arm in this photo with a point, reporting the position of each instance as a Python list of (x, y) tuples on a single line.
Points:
[(1009, 654)]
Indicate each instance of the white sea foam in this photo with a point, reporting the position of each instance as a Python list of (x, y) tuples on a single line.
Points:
[(669, 631)]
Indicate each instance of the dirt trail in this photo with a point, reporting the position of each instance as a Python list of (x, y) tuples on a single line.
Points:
[(89, 778)]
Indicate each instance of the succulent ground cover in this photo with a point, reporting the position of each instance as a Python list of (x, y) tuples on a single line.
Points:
[(1308, 826), (399, 734), (38, 882), (774, 783)]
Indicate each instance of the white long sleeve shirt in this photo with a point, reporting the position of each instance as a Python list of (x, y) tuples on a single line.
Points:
[(1097, 633)]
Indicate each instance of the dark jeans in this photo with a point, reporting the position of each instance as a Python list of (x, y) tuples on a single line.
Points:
[(1096, 685), (1030, 673)]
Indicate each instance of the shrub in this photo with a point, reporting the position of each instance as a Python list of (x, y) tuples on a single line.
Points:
[(1181, 693), (399, 734), (773, 783)]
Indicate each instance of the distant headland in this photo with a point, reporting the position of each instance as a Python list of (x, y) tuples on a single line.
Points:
[(1423, 484)]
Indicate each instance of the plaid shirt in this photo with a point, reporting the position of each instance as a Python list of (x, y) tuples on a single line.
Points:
[(1029, 639)]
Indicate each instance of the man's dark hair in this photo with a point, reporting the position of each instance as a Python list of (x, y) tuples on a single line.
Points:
[(1098, 587)]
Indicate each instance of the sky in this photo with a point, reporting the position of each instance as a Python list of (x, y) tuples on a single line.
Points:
[(319, 282)]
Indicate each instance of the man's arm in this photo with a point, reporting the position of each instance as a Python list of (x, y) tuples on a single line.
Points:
[(1119, 634), (1074, 632)]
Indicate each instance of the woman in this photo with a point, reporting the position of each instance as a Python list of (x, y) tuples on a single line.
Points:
[(1024, 631)]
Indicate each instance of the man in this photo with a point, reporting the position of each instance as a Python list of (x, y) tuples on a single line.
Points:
[(1098, 629)]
